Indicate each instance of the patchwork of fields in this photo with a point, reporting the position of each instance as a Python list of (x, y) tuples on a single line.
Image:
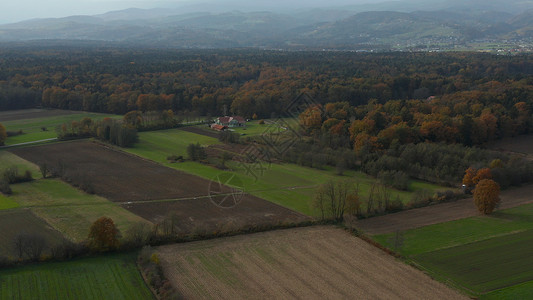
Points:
[(311, 263), (482, 256)]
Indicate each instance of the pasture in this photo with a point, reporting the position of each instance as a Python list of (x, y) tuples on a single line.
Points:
[(493, 264), (40, 124), (104, 277), (288, 185), (486, 255), (311, 263)]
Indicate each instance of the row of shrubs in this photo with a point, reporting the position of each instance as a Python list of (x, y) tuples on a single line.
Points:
[(10, 176)]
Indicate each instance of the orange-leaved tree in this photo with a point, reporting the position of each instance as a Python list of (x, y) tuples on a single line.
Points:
[(481, 174), (104, 235), (3, 134), (486, 195)]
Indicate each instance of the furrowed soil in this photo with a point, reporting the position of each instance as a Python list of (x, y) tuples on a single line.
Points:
[(203, 216), (303, 263), (420, 217), (115, 175)]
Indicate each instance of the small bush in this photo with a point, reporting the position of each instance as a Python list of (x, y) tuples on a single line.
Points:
[(5, 188)]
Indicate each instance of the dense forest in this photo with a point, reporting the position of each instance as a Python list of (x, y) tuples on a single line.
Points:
[(248, 82), (394, 115)]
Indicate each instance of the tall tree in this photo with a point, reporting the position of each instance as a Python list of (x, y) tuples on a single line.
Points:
[(486, 195), (104, 235)]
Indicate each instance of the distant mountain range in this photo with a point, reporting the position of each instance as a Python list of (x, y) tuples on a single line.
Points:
[(388, 25)]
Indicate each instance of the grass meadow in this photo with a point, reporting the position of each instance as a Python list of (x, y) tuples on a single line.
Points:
[(105, 277), (68, 209), (289, 185), (32, 128)]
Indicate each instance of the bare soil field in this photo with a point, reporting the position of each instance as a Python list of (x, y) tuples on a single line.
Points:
[(201, 215), (202, 131), (14, 222), (23, 114), (128, 179), (440, 213), (115, 175), (319, 262)]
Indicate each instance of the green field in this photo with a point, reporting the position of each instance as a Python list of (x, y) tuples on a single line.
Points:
[(68, 209), (519, 291), (7, 203), (486, 265), (32, 127), (106, 277), (289, 185), (8, 160), (486, 255)]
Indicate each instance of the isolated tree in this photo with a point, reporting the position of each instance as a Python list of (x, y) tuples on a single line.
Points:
[(3, 134), (104, 235), (486, 195), (43, 168)]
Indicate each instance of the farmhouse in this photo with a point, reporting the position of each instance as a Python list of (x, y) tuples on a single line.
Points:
[(235, 121)]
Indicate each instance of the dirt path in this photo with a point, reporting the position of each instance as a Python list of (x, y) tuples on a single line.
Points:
[(320, 262), (202, 131), (440, 213)]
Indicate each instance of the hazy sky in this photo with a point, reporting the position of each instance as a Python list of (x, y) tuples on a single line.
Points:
[(18, 10)]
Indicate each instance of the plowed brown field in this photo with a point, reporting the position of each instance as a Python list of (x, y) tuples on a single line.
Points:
[(303, 263)]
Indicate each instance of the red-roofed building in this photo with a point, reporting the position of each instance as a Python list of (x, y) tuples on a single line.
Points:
[(235, 121), (218, 127)]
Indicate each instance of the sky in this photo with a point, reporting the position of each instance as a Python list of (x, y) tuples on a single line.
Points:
[(18, 10)]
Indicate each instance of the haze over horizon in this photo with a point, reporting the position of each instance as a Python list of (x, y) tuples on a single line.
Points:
[(16, 11)]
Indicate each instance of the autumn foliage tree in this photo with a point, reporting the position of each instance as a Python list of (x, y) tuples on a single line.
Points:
[(486, 195), (3, 134), (104, 235), (473, 177)]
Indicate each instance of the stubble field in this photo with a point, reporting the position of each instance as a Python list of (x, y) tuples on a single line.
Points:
[(309, 263)]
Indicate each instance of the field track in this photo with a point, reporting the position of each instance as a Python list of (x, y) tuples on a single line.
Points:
[(202, 131), (419, 217), (303, 263)]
